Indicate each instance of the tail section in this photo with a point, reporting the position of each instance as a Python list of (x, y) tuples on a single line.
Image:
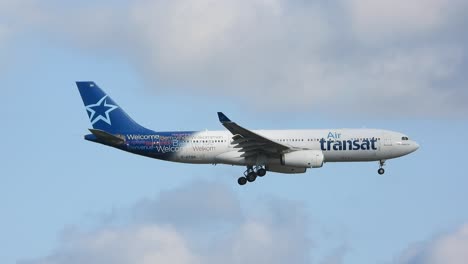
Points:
[(104, 114)]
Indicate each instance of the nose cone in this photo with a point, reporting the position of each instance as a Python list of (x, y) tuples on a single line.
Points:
[(414, 146)]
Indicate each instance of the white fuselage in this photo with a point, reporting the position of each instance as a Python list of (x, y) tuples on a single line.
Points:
[(337, 145)]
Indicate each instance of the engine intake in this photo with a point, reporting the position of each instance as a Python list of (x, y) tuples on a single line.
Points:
[(303, 159)]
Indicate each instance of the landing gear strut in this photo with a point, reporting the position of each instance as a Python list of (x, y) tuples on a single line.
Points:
[(381, 169), (250, 175)]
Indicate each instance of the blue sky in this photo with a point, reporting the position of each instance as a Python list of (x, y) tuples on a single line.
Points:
[(267, 64)]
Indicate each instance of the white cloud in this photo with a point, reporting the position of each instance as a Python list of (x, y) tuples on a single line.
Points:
[(179, 203), (269, 231), (169, 228), (387, 18), (451, 248), (141, 244), (356, 56)]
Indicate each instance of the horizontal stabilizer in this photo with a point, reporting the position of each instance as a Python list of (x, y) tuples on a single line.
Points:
[(106, 137)]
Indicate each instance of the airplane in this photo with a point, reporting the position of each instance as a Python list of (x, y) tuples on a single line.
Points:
[(260, 151)]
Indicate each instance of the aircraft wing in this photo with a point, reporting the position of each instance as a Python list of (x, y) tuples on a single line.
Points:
[(249, 142)]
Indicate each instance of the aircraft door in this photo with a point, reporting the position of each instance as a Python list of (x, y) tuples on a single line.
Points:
[(387, 140)]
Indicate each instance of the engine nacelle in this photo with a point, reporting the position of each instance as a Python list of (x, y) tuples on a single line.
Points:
[(303, 159)]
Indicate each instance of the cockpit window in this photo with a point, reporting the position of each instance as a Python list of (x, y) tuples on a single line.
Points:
[(404, 138)]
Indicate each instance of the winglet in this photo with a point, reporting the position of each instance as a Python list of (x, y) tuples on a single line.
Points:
[(223, 118)]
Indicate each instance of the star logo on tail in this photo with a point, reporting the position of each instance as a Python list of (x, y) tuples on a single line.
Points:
[(100, 111)]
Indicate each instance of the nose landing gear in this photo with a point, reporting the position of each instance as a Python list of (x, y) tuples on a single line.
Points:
[(250, 175), (381, 170)]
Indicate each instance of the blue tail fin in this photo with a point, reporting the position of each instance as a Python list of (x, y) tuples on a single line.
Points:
[(104, 114)]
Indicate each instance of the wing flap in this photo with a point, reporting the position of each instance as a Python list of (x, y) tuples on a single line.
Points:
[(250, 144)]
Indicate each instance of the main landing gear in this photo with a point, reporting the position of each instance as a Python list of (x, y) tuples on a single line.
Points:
[(381, 169), (251, 174)]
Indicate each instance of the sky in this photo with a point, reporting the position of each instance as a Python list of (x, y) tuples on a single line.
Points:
[(267, 64)]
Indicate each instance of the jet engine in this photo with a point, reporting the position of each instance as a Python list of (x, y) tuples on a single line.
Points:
[(303, 159)]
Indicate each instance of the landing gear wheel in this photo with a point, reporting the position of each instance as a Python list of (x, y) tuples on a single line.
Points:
[(381, 171), (261, 172), (251, 176), (242, 180)]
